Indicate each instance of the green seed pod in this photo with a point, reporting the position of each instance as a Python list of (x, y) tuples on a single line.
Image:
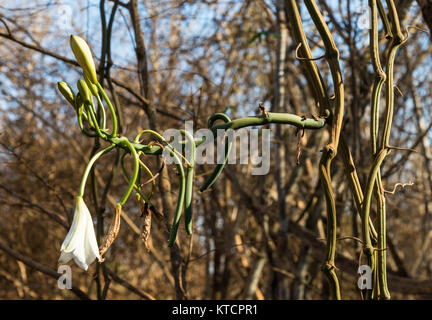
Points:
[(84, 57), (84, 91), (67, 92)]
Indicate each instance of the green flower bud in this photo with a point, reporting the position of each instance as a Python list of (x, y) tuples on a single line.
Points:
[(67, 92), (79, 104), (93, 88), (84, 91), (84, 57)]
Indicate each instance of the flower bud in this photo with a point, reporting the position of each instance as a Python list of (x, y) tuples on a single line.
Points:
[(84, 91), (93, 88), (67, 92), (79, 104), (84, 57)]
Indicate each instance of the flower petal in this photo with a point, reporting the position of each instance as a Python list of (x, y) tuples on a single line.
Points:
[(90, 245), (77, 231), (80, 243), (65, 257)]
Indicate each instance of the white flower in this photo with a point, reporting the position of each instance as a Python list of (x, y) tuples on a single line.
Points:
[(80, 243)]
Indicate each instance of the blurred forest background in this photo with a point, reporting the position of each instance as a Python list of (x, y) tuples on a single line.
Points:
[(172, 61)]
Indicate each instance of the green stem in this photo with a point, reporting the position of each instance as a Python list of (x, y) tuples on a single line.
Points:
[(135, 172), (380, 282), (102, 109), (382, 243), (127, 178), (297, 121), (368, 248), (329, 265), (380, 76), (142, 164), (163, 140), (111, 109), (84, 130), (281, 118), (330, 151), (312, 73), (354, 184), (384, 18), (90, 111), (90, 165)]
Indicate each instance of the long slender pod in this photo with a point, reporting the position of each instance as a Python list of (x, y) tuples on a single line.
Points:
[(190, 172), (180, 200)]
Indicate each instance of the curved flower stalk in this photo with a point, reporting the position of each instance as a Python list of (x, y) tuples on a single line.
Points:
[(80, 243)]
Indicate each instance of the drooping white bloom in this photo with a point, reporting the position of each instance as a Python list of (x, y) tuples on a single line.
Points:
[(80, 243)]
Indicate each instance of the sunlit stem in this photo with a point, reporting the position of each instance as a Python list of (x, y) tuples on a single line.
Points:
[(90, 111), (111, 109), (127, 178), (80, 115), (84, 130), (146, 169), (103, 114), (90, 165), (135, 171), (163, 140)]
